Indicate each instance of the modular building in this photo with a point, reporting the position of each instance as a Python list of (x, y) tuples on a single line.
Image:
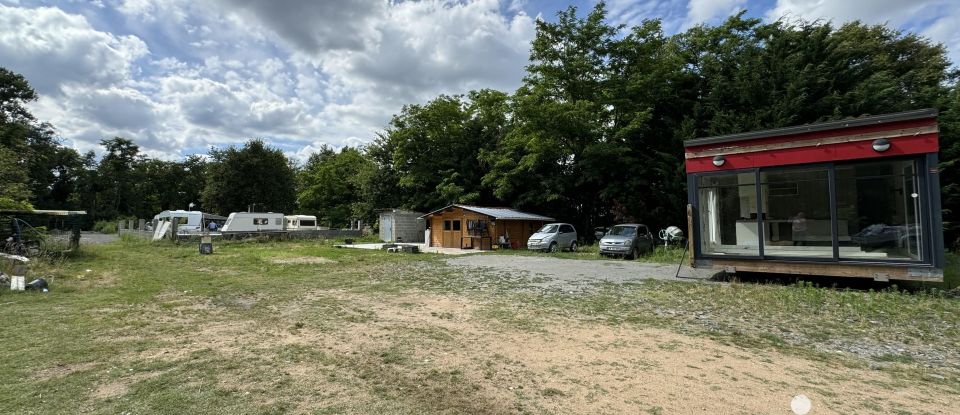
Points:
[(398, 225), (475, 227), (852, 198)]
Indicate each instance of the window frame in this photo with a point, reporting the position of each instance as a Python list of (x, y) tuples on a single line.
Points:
[(922, 163), (831, 199), (694, 193)]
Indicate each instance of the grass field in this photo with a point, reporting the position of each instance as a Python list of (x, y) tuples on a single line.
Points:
[(299, 327)]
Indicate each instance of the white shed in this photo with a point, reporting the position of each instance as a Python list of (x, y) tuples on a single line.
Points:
[(398, 225)]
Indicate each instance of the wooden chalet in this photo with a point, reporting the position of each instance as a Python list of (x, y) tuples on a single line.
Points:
[(475, 227)]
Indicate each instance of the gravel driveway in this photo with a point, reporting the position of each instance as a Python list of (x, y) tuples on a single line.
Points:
[(577, 273)]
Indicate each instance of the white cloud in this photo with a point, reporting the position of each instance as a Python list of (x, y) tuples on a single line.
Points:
[(55, 48), (315, 26), (425, 49), (217, 73), (706, 11)]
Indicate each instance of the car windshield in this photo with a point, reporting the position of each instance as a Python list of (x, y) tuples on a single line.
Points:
[(623, 231), (548, 229)]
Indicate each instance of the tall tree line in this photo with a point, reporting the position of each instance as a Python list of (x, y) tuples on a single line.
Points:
[(593, 135)]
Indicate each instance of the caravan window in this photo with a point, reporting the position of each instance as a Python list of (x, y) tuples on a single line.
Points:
[(308, 223), (261, 221)]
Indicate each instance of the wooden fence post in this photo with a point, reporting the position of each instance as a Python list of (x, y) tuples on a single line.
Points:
[(690, 232)]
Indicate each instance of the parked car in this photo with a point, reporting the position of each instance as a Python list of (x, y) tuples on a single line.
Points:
[(628, 240), (553, 237)]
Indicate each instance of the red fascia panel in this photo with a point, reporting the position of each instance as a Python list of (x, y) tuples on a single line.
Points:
[(818, 134), (918, 144)]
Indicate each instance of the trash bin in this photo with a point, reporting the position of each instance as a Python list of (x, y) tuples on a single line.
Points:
[(206, 245)]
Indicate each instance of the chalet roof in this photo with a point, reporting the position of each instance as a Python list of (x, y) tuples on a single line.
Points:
[(496, 213), (820, 126)]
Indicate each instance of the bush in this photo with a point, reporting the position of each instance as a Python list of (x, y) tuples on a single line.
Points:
[(105, 226)]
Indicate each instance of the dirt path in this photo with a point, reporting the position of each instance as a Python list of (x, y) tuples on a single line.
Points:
[(447, 354), (576, 273)]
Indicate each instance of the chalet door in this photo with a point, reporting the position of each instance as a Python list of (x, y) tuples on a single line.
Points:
[(436, 232), (452, 232)]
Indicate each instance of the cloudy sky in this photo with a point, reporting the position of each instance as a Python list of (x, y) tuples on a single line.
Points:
[(179, 76)]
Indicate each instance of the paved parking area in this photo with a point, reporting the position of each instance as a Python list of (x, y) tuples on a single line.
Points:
[(559, 272)]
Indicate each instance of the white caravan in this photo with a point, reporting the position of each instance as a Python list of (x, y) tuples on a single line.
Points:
[(301, 223), (253, 222), (187, 221)]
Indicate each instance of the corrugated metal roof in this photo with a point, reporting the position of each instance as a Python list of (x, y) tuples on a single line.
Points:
[(497, 213), (820, 126)]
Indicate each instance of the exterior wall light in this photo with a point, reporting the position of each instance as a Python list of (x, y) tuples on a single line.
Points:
[(719, 160), (881, 144)]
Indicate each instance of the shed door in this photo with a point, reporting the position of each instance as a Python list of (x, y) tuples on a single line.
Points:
[(436, 231)]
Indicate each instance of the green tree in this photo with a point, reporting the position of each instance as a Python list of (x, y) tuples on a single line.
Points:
[(15, 124), (15, 93), (436, 148), (331, 183), (170, 185), (13, 188), (53, 170), (254, 176), (950, 168), (553, 156), (118, 176)]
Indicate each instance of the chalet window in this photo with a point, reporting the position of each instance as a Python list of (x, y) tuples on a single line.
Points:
[(797, 219), (866, 211), (456, 225), (878, 206), (728, 214), (446, 225)]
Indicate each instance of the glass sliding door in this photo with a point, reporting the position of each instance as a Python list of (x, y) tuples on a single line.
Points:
[(728, 214), (879, 207), (797, 219)]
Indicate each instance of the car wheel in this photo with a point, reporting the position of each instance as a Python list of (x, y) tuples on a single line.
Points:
[(573, 246), (552, 248), (634, 254)]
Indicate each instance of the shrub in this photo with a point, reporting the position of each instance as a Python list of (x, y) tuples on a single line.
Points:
[(105, 226)]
